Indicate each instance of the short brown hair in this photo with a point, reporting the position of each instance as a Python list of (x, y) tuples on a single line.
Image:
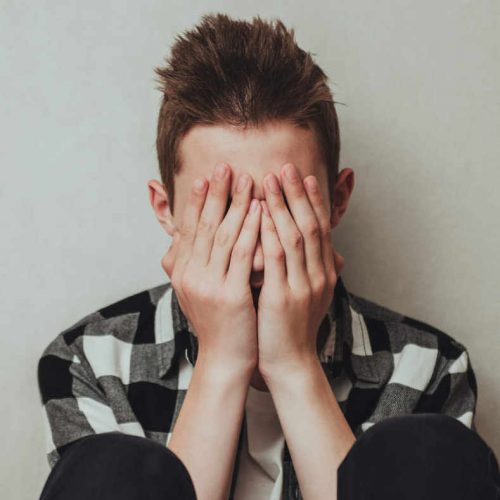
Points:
[(241, 73)]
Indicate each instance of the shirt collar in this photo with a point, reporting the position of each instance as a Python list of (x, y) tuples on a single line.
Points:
[(343, 340)]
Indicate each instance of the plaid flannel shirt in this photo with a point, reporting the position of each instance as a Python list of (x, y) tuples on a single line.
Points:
[(126, 368)]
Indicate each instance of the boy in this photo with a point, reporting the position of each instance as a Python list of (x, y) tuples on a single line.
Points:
[(254, 353)]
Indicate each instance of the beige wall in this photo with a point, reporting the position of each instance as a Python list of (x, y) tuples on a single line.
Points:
[(419, 127)]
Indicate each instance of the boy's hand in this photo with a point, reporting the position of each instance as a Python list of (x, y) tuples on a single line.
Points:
[(300, 274), (209, 265)]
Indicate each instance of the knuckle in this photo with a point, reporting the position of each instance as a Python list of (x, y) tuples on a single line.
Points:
[(296, 240), (221, 237), (187, 284), (276, 203), (196, 289), (205, 226), (185, 231), (325, 230), (270, 227), (239, 200), (278, 253), (320, 283), (312, 229), (304, 296), (218, 189), (240, 251)]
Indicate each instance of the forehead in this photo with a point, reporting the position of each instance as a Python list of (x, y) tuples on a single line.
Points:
[(256, 151)]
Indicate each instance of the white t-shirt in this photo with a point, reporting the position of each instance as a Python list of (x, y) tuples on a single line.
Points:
[(260, 472)]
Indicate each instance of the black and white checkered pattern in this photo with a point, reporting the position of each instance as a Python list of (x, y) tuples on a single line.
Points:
[(127, 366)]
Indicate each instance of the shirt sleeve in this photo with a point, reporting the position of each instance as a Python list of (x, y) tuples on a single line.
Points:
[(453, 388), (73, 404)]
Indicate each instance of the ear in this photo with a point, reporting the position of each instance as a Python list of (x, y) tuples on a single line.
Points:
[(161, 207), (344, 186)]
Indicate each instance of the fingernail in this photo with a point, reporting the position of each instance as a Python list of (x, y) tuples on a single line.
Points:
[(220, 171), (312, 184), (291, 173), (199, 185), (254, 205), (272, 183), (242, 182)]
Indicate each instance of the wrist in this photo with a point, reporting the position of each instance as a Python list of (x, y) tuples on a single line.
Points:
[(290, 370), (223, 368)]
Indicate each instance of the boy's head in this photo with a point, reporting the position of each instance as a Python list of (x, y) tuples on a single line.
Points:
[(244, 93)]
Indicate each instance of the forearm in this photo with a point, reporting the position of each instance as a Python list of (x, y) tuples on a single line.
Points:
[(317, 434), (207, 428)]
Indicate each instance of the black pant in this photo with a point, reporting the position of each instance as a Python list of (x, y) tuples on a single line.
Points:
[(409, 457)]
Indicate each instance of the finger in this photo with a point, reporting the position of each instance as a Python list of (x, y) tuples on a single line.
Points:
[(339, 261), (321, 211), (190, 217), (306, 219), (212, 213), (275, 273), (168, 260), (229, 229), (240, 265), (288, 233)]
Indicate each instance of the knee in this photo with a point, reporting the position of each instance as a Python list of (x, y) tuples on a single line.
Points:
[(426, 449), (114, 449), (423, 437), (130, 467), (427, 436)]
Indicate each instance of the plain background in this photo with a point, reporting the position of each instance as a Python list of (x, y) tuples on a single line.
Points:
[(420, 121)]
